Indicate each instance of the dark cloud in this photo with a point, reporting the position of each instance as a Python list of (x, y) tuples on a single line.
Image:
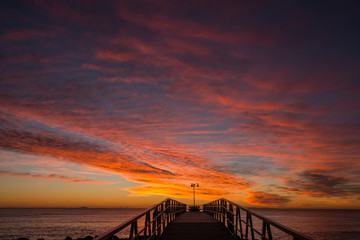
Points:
[(323, 184), (268, 199)]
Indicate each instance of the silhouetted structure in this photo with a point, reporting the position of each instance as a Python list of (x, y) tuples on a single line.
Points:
[(220, 219), (194, 208)]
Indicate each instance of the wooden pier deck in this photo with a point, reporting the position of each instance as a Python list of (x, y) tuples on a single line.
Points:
[(196, 225)]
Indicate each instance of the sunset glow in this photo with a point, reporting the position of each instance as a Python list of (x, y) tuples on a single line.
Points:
[(124, 103)]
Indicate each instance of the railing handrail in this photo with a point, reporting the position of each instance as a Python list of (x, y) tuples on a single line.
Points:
[(297, 235), (272, 222), (127, 223)]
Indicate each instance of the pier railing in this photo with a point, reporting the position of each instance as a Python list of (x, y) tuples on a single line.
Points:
[(239, 221), (155, 221)]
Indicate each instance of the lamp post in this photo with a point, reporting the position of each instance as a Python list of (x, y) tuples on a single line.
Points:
[(194, 185)]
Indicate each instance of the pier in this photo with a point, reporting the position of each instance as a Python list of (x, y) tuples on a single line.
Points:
[(196, 225), (220, 219)]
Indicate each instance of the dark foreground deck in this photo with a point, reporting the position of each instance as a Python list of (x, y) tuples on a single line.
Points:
[(196, 225)]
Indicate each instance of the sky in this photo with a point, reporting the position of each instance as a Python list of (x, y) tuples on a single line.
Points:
[(125, 103)]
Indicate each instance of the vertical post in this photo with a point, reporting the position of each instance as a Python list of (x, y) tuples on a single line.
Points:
[(163, 216), (238, 216), (223, 212), (133, 230), (219, 210), (269, 232), (147, 225), (168, 211), (249, 224), (158, 221), (230, 219), (263, 232), (194, 185), (266, 229), (154, 224)]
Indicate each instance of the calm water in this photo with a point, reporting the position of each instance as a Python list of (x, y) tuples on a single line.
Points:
[(56, 224), (318, 224)]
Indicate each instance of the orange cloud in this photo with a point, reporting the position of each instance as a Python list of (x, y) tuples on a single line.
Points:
[(53, 176), (151, 168), (167, 96)]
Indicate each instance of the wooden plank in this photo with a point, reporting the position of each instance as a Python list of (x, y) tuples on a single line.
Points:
[(196, 226)]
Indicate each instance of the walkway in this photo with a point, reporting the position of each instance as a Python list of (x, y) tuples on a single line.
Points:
[(196, 226)]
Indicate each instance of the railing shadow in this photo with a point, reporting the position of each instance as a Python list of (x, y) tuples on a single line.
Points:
[(240, 222), (155, 218)]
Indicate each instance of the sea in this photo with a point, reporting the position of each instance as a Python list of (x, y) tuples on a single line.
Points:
[(57, 224)]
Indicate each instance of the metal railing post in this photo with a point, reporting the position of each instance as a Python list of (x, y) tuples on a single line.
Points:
[(266, 229), (163, 216), (230, 218), (239, 221), (223, 211), (147, 225), (162, 213), (133, 230)]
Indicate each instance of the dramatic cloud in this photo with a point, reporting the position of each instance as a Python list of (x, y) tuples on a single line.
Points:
[(157, 167), (52, 176), (242, 97)]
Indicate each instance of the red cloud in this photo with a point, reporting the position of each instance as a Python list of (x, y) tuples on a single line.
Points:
[(142, 164), (165, 96), (52, 176)]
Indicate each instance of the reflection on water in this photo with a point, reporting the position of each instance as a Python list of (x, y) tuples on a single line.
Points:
[(56, 224)]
